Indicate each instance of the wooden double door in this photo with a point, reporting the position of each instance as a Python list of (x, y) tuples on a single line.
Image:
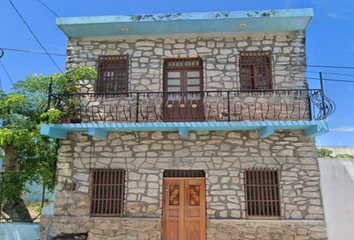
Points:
[(184, 209)]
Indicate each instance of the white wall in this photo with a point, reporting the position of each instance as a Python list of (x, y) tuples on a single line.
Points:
[(337, 182)]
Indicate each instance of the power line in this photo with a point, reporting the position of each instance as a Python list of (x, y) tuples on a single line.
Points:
[(332, 80), (27, 39), (327, 66), (324, 79), (48, 8), (34, 35), (341, 74), (8, 75), (315, 66), (34, 51)]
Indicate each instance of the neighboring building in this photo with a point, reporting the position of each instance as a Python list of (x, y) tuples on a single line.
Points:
[(199, 126), (337, 184)]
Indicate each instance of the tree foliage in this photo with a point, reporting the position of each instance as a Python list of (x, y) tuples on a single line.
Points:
[(27, 155), (326, 153), (344, 156)]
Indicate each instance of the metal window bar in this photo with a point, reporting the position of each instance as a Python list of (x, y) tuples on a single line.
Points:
[(262, 193), (184, 173), (183, 63), (255, 70), (112, 73), (107, 192)]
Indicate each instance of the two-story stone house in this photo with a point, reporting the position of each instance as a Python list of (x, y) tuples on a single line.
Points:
[(199, 126)]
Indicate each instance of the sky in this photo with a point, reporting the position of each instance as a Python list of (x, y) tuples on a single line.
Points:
[(330, 41)]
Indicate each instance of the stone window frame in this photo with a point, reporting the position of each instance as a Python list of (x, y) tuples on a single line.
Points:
[(114, 195), (266, 202), (120, 71), (269, 68)]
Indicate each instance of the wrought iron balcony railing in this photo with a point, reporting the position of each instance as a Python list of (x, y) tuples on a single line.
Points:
[(239, 105)]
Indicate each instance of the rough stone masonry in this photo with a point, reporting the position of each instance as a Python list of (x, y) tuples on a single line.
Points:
[(220, 56), (223, 155)]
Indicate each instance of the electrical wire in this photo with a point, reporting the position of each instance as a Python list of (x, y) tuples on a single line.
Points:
[(27, 39), (331, 80), (327, 66), (325, 79), (329, 73), (24, 21), (8, 75), (48, 8), (34, 51)]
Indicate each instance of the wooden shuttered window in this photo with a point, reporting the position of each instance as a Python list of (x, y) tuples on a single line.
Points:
[(112, 74), (262, 193), (107, 192), (255, 70)]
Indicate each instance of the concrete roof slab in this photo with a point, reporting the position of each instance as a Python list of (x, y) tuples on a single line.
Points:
[(184, 23)]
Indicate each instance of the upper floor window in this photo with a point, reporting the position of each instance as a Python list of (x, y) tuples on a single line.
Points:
[(262, 193), (112, 73), (255, 70), (107, 192)]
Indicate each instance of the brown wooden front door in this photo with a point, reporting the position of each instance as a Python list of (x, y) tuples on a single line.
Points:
[(183, 83), (184, 210)]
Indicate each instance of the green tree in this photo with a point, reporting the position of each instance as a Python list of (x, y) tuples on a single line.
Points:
[(344, 156), (28, 156), (324, 153)]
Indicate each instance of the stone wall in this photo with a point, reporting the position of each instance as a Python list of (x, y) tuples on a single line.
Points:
[(266, 230), (220, 56), (223, 155), (101, 228), (137, 228)]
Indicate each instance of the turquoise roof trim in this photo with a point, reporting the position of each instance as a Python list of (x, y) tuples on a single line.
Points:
[(265, 128), (184, 23)]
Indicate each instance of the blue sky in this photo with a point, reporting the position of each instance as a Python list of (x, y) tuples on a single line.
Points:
[(330, 41)]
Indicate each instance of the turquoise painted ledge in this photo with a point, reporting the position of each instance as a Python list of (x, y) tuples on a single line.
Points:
[(264, 128), (186, 23)]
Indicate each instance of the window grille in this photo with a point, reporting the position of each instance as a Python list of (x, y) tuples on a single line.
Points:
[(184, 173), (262, 193), (112, 74), (255, 70), (107, 192)]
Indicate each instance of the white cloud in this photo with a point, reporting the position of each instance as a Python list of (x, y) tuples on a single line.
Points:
[(337, 16), (343, 129), (338, 10)]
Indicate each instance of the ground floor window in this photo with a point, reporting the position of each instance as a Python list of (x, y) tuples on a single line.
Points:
[(107, 192), (262, 193)]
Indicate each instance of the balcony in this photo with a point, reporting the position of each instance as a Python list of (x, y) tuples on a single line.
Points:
[(207, 106), (264, 110)]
